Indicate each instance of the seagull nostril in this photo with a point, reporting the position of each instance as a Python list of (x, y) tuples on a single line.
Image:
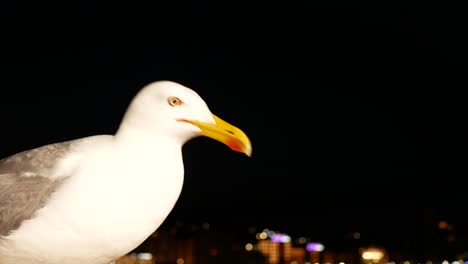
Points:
[(230, 132)]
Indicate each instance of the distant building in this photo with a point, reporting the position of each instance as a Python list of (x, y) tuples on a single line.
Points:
[(201, 247)]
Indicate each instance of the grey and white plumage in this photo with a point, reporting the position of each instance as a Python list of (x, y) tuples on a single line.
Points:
[(94, 199)]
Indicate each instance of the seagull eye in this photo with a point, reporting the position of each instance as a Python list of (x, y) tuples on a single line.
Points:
[(174, 101)]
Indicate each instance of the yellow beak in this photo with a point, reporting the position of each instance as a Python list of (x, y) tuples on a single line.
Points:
[(225, 133)]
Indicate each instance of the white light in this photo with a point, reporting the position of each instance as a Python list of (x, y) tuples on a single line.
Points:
[(445, 262), (357, 235), (248, 247), (371, 255), (145, 256), (341, 263), (263, 235), (285, 239), (406, 262), (455, 262)]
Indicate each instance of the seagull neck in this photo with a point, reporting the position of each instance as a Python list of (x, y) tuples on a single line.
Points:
[(137, 137)]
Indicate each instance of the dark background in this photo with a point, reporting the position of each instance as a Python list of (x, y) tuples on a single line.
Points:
[(357, 117)]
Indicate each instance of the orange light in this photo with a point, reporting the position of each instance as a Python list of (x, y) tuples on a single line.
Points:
[(443, 224), (213, 252)]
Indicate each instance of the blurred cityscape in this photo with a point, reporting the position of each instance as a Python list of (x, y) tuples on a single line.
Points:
[(200, 244)]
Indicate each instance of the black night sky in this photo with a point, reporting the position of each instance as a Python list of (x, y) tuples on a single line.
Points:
[(357, 117)]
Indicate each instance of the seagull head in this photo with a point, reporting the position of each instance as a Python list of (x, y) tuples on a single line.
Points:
[(172, 110)]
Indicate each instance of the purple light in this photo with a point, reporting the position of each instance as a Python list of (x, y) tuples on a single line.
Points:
[(276, 238), (314, 247), (280, 238)]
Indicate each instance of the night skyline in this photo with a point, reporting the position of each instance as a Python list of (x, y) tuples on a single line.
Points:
[(349, 111)]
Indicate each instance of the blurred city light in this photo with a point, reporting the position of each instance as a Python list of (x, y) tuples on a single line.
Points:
[(249, 247), (145, 256), (213, 252), (442, 224), (280, 238), (374, 255), (302, 240), (357, 235), (206, 226), (278, 248), (315, 247)]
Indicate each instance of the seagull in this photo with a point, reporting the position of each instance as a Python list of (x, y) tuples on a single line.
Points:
[(93, 200)]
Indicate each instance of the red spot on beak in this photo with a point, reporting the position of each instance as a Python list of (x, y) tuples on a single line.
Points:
[(234, 144)]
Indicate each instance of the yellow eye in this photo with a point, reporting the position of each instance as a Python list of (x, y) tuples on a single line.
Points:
[(174, 101)]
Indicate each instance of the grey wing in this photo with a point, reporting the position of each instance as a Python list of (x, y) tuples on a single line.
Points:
[(25, 185), (38, 161)]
